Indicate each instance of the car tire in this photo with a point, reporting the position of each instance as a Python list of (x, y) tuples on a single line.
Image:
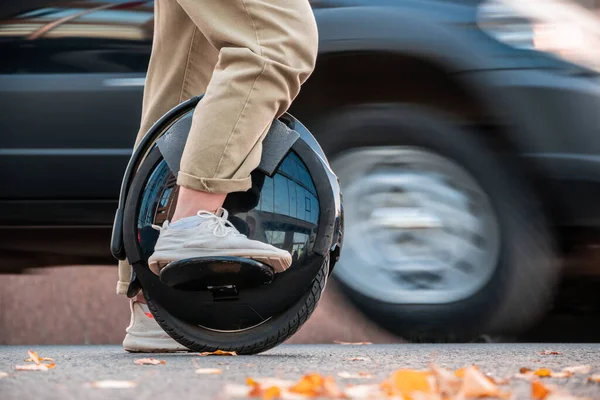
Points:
[(521, 287)]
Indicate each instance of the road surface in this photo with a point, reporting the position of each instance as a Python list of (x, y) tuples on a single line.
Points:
[(77, 366)]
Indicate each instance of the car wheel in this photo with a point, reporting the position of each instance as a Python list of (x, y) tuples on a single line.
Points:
[(443, 240)]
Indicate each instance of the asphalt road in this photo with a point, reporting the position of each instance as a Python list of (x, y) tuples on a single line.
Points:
[(77, 366)]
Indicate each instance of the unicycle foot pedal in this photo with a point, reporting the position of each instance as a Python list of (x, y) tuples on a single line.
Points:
[(210, 273)]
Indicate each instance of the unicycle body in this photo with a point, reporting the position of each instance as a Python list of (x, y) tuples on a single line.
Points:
[(232, 303)]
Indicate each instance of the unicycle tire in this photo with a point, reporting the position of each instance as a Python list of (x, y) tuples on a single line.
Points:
[(260, 338)]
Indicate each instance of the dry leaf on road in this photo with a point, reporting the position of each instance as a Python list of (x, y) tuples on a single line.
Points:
[(539, 391), (351, 343), (209, 371), (271, 393), (594, 378), (218, 353), (356, 359), (447, 383), (550, 353), (543, 372), (476, 384), (110, 384), (578, 369), (149, 361), (39, 363), (404, 382), (34, 367), (349, 375)]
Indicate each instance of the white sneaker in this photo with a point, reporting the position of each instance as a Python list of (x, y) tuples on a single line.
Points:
[(144, 335), (211, 235)]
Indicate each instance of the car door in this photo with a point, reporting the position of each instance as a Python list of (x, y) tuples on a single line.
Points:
[(71, 82)]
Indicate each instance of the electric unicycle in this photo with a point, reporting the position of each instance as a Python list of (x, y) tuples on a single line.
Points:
[(232, 303)]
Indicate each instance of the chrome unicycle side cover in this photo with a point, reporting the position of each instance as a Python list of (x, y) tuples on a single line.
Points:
[(294, 204)]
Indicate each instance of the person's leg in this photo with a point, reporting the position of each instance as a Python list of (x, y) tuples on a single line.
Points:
[(267, 49), (174, 39), (171, 79)]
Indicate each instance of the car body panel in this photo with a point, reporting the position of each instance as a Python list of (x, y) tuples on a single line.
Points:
[(71, 95)]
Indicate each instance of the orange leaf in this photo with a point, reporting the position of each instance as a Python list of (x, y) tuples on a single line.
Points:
[(550, 353), (543, 373), (356, 359), (538, 390), (33, 356), (149, 361), (255, 391), (594, 378), (406, 381), (218, 353), (309, 385), (460, 373), (524, 370), (271, 393)]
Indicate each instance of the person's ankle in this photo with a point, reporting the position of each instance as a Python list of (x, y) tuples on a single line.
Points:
[(190, 201), (140, 298)]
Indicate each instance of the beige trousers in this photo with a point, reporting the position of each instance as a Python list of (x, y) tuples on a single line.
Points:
[(249, 57)]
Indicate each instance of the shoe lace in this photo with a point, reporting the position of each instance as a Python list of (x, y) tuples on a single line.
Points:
[(220, 224)]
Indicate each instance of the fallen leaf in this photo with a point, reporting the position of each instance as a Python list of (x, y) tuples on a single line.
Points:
[(33, 356), (363, 391), (349, 375), (447, 382), (149, 361), (550, 353), (34, 367), (208, 371), (356, 359), (351, 343), (579, 369), (218, 353), (524, 370), (3, 374), (460, 373), (594, 378), (404, 382), (561, 374), (309, 385), (271, 393), (331, 389), (543, 373), (539, 391), (110, 384), (476, 384)]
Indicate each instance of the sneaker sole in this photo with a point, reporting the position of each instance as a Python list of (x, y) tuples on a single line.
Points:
[(279, 264), (136, 344)]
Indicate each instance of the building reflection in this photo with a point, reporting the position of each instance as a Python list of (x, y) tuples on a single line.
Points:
[(285, 215)]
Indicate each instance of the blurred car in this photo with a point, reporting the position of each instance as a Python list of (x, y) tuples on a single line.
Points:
[(466, 136)]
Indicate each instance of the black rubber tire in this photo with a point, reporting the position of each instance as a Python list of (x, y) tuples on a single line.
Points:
[(252, 341), (522, 287)]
